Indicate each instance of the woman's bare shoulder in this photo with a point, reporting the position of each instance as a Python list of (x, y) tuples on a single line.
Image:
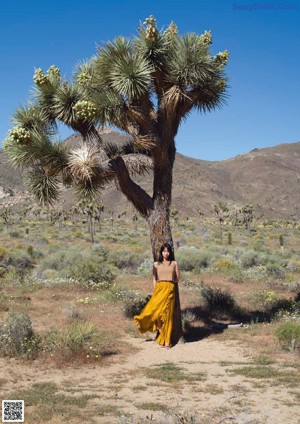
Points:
[(155, 264)]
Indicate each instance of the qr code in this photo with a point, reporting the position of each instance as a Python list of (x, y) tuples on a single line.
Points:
[(13, 411)]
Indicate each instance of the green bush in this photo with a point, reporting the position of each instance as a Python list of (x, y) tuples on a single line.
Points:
[(21, 260), (79, 340), (66, 260), (17, 337), (93, 271), (193, 259), (187, 318), (145, 268), (216, 299), (125, 260), (273, 264), (252, 258), (288, 336), (134, 306)]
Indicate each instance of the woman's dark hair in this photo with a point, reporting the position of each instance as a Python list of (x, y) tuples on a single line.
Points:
[(170, 250)]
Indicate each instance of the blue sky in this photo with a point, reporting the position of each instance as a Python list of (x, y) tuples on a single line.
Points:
[(263, 39)]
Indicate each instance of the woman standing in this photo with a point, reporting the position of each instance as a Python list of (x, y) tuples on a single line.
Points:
[(158, 314)]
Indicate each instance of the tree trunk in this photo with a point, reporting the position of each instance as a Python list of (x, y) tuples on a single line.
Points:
[(159, 224), (91, 227)]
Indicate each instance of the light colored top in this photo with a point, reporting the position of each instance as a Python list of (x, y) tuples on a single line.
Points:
[(166, 271)]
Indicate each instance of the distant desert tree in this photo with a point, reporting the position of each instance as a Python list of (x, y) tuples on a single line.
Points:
[(247, 216), (146, 86), (221, 210)]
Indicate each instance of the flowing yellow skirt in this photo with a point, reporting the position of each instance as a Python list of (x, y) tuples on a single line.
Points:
[(160, 307)]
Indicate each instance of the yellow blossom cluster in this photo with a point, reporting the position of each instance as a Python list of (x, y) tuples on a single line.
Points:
[(206, 38), (20, 135), (151, 30), (85, 110)]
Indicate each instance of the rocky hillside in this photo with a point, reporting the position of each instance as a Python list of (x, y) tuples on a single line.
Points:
[(267, 178)]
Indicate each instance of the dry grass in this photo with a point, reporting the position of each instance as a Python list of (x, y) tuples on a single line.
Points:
[(58, 305)]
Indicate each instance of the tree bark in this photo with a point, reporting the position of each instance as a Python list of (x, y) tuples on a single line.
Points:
[(159, 223)]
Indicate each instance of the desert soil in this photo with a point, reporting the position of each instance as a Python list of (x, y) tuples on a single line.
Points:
[(125, 385)]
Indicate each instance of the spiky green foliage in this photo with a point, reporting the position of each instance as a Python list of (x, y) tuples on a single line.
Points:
[(44, 187), (179, 71), (35, 148), (32, 118)]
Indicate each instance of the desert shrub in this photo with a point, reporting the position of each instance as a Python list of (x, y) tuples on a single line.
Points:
[(64, 260), (215, 299), (76, 336), (34, 253), (14, 234), (257, 273), (145, 268), (3, 303), (22, 263), (78, 233), (133, 307), (187, 318), (275, 270), (229, 238), (288, 336), (21, 260), (61, 259), (125, 260), (228, 267), (193, 259), (78, 340), (17, 337), (265, 298), (48, 274), (294, 264), (286, 309), (93, 271), (72, 313), (119, 293), (265, 261), (30, 250), (252, 258), (3, 254)]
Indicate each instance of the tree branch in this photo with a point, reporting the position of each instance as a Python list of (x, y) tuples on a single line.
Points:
[(134, 193)]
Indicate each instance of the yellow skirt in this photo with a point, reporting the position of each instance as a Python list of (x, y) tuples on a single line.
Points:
[(159, 307)]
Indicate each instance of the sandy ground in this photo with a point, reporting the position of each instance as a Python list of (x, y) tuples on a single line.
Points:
[(124, 384)]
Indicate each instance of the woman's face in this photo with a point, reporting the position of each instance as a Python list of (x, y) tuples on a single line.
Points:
[(165, 253)]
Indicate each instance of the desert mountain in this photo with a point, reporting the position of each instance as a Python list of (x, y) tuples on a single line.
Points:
[(268, 178)]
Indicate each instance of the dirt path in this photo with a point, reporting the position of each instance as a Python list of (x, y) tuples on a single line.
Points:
[(192, 378)]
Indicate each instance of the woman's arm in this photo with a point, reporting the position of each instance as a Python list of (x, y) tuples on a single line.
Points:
[(154, 274)]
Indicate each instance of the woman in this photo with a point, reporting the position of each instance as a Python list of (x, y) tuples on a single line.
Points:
[(158, 314)]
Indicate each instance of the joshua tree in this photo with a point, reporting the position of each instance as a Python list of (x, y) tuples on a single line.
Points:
[(247, 216), (145, 86), (222, 212)]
